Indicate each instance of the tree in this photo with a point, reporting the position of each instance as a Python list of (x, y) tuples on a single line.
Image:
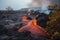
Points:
[(9, 10), (53, 25)]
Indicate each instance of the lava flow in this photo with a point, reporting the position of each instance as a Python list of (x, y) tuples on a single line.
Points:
[(33, 28)]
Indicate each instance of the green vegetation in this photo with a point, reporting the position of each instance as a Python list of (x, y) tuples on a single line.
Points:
[(53, 25)]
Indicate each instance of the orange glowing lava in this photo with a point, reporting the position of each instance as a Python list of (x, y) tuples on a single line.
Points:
[(34, 28)]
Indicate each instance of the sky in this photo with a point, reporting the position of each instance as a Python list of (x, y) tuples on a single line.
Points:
[(18, 4), (15, 4)]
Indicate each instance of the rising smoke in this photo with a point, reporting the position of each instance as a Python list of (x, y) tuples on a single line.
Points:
[(40, 3)]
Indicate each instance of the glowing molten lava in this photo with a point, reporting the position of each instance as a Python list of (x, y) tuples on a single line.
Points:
[(24, 18), (34, 29)]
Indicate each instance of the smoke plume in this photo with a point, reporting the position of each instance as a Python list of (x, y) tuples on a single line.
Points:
[(40, 3)]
